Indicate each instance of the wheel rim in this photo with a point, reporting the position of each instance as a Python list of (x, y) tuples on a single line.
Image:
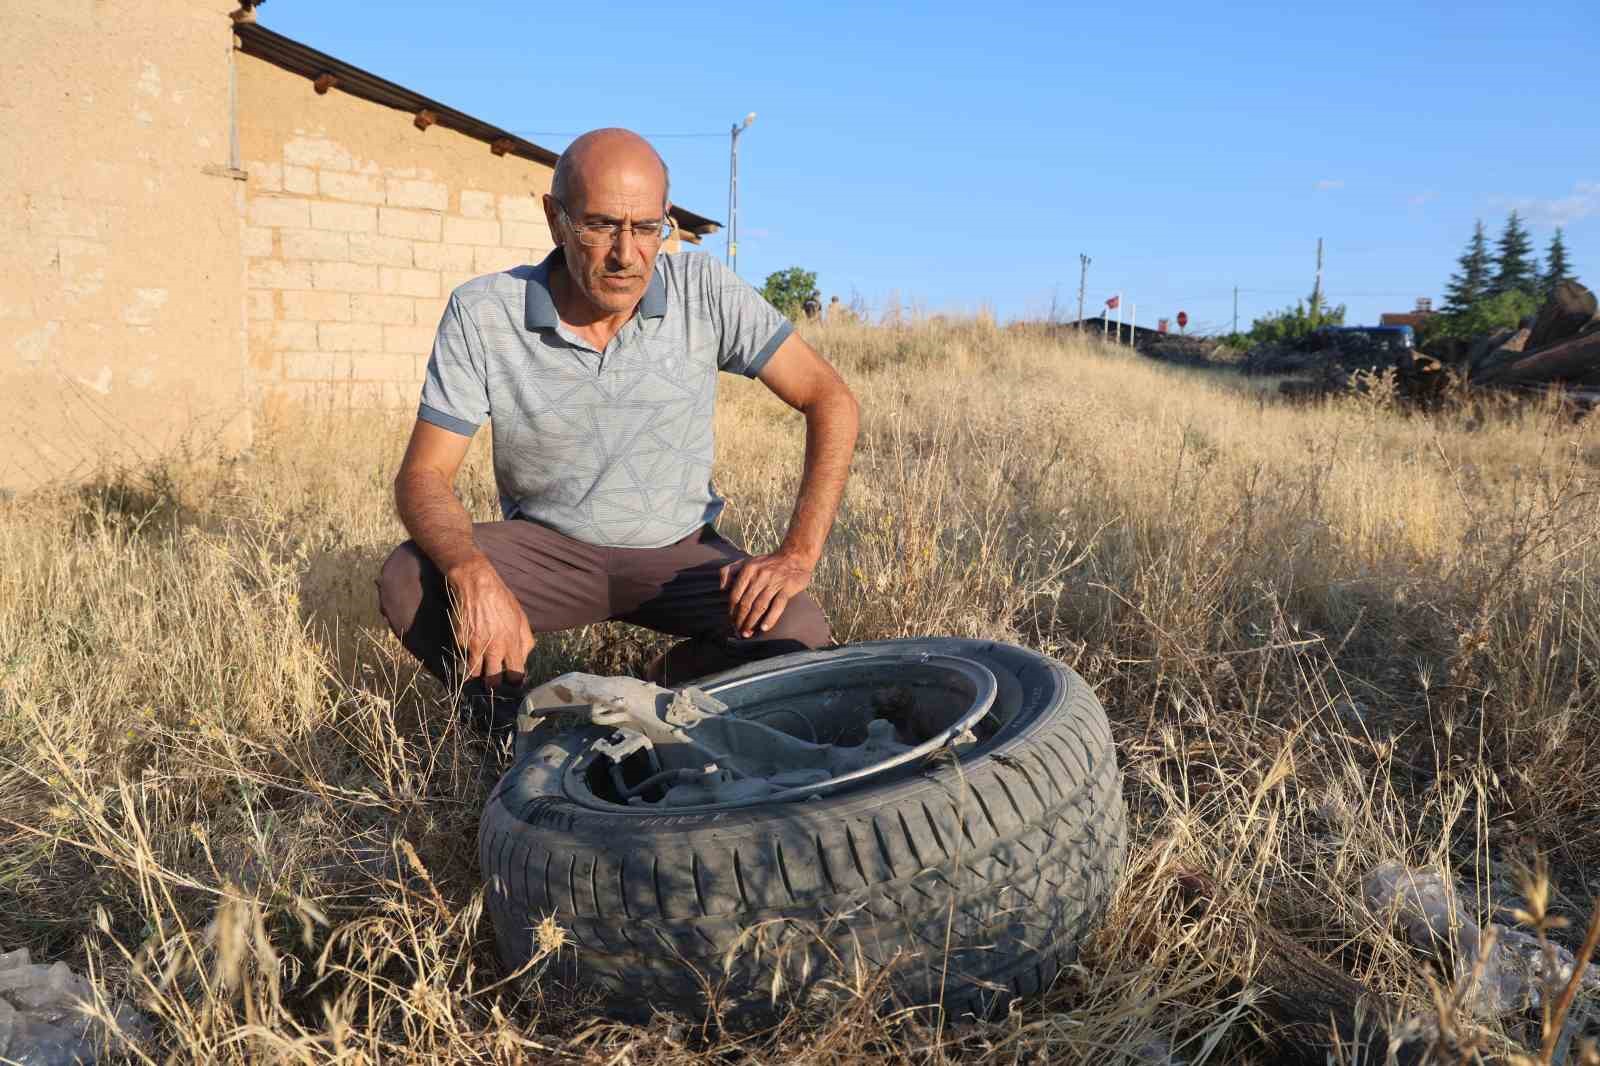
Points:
[(934, 702)]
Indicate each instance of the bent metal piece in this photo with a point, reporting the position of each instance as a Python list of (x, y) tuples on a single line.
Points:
[(706, 756)]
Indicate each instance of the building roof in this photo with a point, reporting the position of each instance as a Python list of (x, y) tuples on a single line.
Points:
[(256, 40)]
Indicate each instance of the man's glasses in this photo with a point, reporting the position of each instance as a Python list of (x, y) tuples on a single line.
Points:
[(602, 234)]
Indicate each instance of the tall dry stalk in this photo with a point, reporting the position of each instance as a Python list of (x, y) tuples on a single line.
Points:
[(1325, 637)]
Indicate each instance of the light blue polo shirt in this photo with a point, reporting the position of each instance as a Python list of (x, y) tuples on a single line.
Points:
[(612, 448)]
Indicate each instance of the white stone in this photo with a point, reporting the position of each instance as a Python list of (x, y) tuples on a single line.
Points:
[(352, 218), (361, 188), (529, 208), (475, 203), (41, 1018), (408, 192), (317, 152), (1515, 972), (412, 225), (279, 211)]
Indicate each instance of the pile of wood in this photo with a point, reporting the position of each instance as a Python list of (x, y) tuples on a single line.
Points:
[(1413, 378), (1559, 349)]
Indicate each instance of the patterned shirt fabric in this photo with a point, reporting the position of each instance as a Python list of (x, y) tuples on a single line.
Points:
[(612, 448)]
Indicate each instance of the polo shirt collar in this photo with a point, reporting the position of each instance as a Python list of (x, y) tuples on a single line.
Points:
[(540, 311)]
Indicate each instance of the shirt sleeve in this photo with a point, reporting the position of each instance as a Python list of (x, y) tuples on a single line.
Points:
[(749, 329), (455, 391)]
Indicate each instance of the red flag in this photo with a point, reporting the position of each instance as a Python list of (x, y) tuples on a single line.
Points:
[(1111, 304)]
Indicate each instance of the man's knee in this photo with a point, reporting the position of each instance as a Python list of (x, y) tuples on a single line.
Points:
[(400, 586), (803, 622)]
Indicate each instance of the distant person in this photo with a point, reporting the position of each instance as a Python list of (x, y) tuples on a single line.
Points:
[(583, 364), (813, 305)]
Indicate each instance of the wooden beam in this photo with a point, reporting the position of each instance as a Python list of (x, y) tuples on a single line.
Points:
[(501, 146), (325, 82), (424, 119)]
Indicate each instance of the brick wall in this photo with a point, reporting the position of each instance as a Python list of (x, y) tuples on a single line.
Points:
[(356, 227), (159, 298)]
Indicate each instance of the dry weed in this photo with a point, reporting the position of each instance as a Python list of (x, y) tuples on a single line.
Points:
[(1325, 637)]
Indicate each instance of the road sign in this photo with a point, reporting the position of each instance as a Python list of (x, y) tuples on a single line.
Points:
[(1161, 325), (1183, 319)]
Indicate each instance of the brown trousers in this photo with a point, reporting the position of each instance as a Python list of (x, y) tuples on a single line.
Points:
[(562, 583)]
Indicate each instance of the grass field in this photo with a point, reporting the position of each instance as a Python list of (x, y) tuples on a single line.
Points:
[(1325, 637)]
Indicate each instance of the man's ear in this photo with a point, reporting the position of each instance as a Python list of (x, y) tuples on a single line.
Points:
[(552, 217)]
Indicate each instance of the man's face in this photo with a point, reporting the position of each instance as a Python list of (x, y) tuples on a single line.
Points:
[(613, 275)]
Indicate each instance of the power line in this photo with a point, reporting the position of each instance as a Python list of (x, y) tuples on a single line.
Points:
[(579, 133)]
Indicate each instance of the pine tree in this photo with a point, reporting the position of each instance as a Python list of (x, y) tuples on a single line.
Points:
[(1515, 267), (1557, 269), (1471, 284)]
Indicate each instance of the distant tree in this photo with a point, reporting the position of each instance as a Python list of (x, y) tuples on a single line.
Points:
[(1556, 269), (1471, 283), (1317, 308), (1293, 324), (787, 289), (1488, 315), (1515, 266)]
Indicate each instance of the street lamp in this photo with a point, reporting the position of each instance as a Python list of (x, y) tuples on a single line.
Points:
[(733, 192)]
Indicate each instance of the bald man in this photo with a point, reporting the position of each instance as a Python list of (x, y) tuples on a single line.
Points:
[(597, 372)]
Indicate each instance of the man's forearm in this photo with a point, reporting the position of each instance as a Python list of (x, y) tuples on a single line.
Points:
[(435, 519), (831, 426)]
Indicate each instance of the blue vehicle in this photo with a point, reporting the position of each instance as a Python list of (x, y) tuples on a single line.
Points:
[(1385, 338)]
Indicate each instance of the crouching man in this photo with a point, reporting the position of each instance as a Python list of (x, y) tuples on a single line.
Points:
[(597, 371)]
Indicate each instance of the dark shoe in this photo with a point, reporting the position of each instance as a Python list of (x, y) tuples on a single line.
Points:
[(493, 713)]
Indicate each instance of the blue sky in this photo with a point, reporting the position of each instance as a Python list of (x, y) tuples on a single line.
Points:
[(962, 155)]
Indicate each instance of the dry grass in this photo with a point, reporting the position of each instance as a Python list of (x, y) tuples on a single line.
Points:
[(1325, 637)]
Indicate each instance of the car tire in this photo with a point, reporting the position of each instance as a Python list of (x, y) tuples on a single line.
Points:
[(965, 884)]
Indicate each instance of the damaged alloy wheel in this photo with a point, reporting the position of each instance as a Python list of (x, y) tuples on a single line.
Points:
[(945, 812)]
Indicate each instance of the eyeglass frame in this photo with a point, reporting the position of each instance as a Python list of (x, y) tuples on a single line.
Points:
[(668, 228)]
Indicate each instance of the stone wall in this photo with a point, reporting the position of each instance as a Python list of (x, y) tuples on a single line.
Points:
[(356, 228), (121, 310)]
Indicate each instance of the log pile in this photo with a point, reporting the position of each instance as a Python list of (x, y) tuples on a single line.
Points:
[(1562, 348), (1558, 350)]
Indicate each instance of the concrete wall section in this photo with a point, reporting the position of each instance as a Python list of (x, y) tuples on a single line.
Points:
[(357, 226), (121, 309)]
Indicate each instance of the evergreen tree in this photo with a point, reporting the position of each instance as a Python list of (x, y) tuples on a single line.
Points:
[(1557, 269), (1515, 267), (1471, 284)]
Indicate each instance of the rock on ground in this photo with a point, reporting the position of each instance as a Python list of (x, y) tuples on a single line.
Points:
[(42, 1021), (1516, 970)]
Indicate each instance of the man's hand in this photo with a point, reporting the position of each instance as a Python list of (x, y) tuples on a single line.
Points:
[(491, 629), (761, 587)]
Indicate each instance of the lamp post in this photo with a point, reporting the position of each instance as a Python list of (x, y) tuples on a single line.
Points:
[(733, 192)]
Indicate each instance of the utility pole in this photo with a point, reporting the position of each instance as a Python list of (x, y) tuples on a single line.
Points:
[(1236, 309), (1316, 289), (733, 191), (1083, 280)]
